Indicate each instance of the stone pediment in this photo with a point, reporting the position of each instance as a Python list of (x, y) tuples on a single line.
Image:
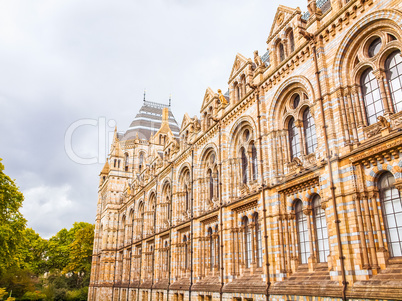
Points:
[(208, 97), (239, 63), (186, 121), (282, 17)]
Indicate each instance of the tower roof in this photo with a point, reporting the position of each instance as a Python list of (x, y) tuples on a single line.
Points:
[(149, 120)]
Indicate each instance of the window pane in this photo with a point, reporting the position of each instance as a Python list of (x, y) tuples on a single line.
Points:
[(371, 96), (391, 206)]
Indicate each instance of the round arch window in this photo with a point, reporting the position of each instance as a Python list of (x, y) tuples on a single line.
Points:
[(296, 101), (374, 47)]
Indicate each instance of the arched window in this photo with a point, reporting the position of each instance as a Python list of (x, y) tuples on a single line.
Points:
[(238, 96), (371, 95), (321, 231), (309, 132), (217, 183), (291, 41), (126, 162), (248, 251), (186, 259), (244, 165), (114, 164), (217, 247), (258, 240), (165, 259), (141, 163), (187, 197), (281, 52), (211, 185), (302, 233), (211, 249), (254, 161), (392, 213), (243, 85), (293, 139), (393, 69)]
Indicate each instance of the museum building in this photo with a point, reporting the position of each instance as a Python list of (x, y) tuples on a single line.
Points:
[(286, 187)]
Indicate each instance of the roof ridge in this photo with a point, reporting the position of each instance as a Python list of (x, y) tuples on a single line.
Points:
[(155, 104)]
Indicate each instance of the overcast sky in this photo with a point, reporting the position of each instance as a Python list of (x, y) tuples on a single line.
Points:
[(71, 60)]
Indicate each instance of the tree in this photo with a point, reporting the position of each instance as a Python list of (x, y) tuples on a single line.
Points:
[(81, 252), (31, 252), (12, 223)]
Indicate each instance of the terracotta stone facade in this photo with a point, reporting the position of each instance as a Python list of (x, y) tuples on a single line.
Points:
[(286, 187)]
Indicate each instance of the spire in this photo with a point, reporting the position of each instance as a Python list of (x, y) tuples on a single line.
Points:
[(145, 91), (115, 138), (170, 100)]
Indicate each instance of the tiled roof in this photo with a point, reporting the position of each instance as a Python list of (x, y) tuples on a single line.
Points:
[(148, 121)]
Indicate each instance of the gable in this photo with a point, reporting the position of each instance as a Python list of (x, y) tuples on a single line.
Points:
[(283, 15), (239, 63), (208, 97), (185, 122)]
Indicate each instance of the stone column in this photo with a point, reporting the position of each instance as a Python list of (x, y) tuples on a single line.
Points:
[(313, 257), (370, 232), (299, 125), (287, 241), (282, 251)]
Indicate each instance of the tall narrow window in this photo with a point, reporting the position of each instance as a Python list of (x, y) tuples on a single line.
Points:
[(254, 161), (217, 246), (244, 165), (165, 258), (309, 132), (258, 241), (126, 162), (281, 52), (392, 213), (185, 252), (302, 233), (291, 41), (371, 96), (141, 163), (217, 183), (393, 68), (248, 252), (187, 197), (238, 96), (293, 139), (321, 231), (211, 249), (211, 185)]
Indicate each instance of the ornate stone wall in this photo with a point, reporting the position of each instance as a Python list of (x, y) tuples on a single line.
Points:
[(285, 188)]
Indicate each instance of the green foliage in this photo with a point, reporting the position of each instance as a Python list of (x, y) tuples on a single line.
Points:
[(33, 268), (36, 295), (32, 252), (12, 223), (81, 251)]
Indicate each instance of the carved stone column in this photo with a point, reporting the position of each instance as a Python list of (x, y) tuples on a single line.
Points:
[(313, 258), (233, 240), (387, 107), (295, 257), (287, 241), (282, 251), (299, 125), (370, 232), (253, 244)]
